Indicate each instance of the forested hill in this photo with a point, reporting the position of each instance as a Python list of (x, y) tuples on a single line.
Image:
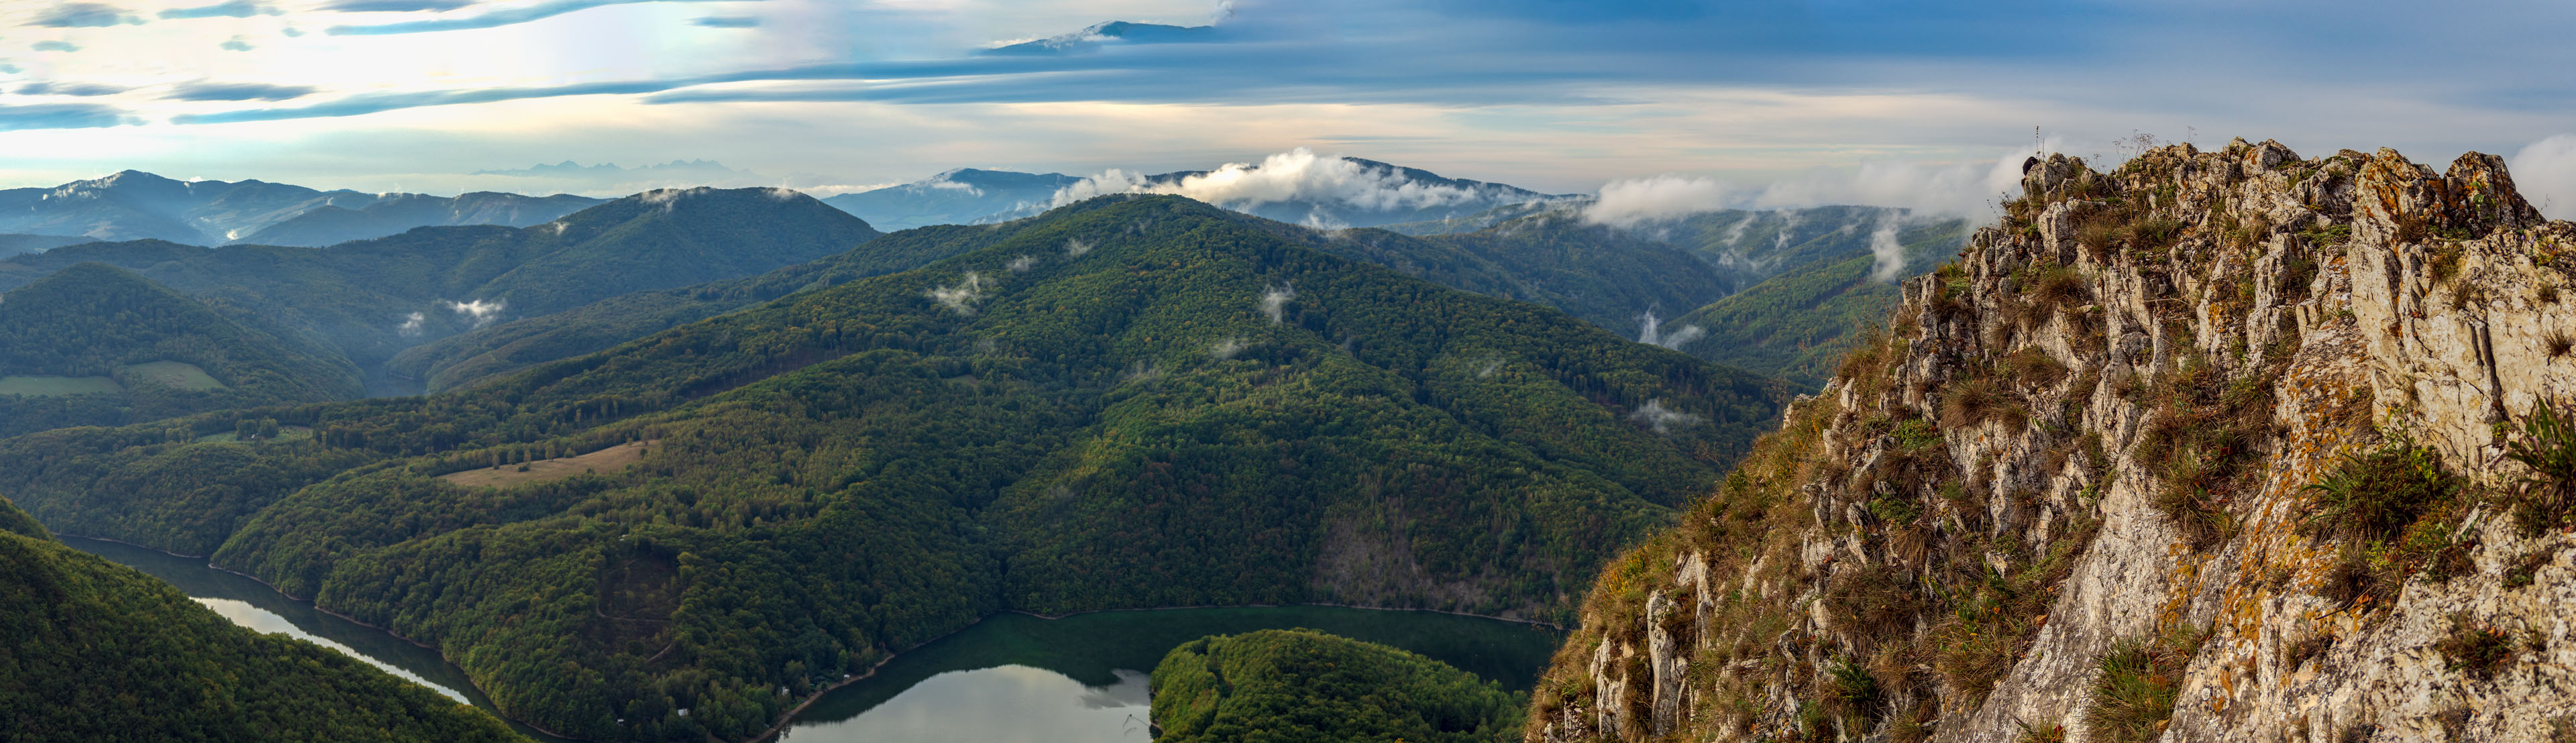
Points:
[(490, 352), (371, 299), (1130, 402), (95, 651), (98, 345), (1604, 276), (1303, 686)]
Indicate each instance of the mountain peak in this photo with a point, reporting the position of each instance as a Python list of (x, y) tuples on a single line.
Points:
[(1095, 36)]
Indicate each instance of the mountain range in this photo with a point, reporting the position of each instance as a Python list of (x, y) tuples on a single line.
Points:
[(961, 196), (1127, 402), (371, 299), (134, 205)]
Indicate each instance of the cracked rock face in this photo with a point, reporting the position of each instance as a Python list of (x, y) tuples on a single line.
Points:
[(2098, 430)]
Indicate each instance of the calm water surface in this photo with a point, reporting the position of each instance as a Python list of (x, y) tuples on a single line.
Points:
[(1008, 679)]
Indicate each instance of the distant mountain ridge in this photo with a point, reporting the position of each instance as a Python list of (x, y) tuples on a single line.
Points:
[(1383, 194), (1101, 34), (371, 299), (135, 205), (961, 196)]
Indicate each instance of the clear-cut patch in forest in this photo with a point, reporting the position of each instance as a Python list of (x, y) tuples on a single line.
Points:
[(611, 459)]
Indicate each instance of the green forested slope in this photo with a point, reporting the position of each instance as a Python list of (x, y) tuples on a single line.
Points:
[(1301, 686), (97, 321), (849, 471), (373, 298), (95, 651), (483, 354), (1603, 276)]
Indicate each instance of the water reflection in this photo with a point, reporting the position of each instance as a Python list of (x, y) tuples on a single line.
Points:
[(1016, 677), (253, 604), (1012, 677), (263, 620), (1009, 704)]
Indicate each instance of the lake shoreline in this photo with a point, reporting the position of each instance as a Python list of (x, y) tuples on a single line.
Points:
[(788, 718)]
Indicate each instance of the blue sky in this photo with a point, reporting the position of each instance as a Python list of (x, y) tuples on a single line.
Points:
[(1558, 95)]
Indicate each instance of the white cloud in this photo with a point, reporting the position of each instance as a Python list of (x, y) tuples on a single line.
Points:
[(411, 324), (1274, 302), (1295, 175), (2545, 172), (962, 297), (1650, 332), (1022, 264), (1886, 255), (1960, 189), (1662, 419), (1226, 348), (479, 312)]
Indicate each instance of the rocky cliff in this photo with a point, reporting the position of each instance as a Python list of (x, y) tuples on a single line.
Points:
[(2227, 445)]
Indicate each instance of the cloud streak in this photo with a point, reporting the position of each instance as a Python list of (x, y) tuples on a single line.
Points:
[(83, 15), (492, 19), (231, 9), (85, 90), (210, 91), (395, 6), (58, 116)]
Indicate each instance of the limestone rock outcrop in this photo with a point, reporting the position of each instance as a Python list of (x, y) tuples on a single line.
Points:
[(2222, 445)]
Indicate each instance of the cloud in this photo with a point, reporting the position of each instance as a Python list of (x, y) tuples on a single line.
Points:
[(1650, 332), (9, 69), (1960, 189), (480, 312), (1274, 303), (1295, 175), (725, 21), (206, 91), (83, 15), (395, 6), (492, 19), (2545, 172), (1886, 255), (72, 89), (1663, 420), (228, 9), (58, 116), (1022, 264), (1227, 348), (1075, 247), (51, 45), (411, 324), (962, 297), (291, 32), (235, 44)]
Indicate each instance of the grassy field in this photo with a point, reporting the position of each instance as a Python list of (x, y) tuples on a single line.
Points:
[(58, 386), (610, 459), (173, 374)]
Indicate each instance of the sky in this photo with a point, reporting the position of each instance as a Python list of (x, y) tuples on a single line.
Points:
[(1785, 101)]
